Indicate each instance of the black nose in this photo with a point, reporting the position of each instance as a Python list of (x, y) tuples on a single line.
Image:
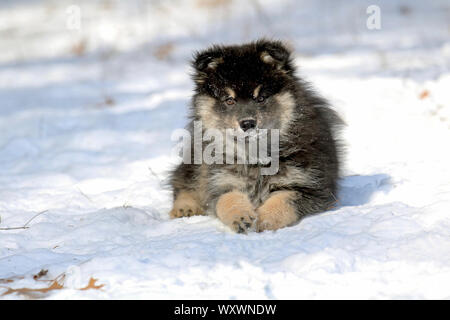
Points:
[(247, 124)]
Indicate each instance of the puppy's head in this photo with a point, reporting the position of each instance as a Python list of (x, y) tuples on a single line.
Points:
[(244, 87)]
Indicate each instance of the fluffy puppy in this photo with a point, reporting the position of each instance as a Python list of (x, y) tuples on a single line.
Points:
[(251, 87)]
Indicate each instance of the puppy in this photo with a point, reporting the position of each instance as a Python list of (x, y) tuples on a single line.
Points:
[(249, 88)]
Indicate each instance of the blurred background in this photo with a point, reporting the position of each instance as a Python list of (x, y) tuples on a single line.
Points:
[(90, 92)]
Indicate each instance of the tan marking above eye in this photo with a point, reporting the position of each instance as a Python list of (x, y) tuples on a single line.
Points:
[(230, 92), (256, 91)]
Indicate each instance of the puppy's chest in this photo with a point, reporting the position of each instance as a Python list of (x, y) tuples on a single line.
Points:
[(255, 185)]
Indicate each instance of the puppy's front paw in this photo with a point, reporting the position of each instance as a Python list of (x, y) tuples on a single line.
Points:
[(277, 212), (236, 211), (245, 222), (185, 205)]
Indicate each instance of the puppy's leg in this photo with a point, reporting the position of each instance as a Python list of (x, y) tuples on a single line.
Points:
[(278, 211), (186, 204), (236, 211)]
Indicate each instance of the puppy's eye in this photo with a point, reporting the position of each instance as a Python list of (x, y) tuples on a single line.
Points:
[(230, 101), (260, 99)]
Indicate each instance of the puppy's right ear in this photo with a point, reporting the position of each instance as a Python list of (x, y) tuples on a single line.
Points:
[(204, 63), (206, 60)]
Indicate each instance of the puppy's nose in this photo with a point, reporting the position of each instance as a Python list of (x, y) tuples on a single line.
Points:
[(247, 124)]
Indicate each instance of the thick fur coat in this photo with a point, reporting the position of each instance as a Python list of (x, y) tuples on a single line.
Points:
[(249, 87)]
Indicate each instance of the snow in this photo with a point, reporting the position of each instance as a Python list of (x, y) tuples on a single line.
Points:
[(85, 123)]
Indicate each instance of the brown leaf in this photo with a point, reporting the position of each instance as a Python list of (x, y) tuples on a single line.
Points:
[(107, 102), (6, 280), (40, 274), (79, 48), (91, 285), (164, 51), (55, 285), (424, 94), (9, 280)]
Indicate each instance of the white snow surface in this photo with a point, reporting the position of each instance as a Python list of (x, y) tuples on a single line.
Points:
[(85, 123)]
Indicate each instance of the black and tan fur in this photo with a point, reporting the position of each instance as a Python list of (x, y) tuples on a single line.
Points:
[(257, 81)]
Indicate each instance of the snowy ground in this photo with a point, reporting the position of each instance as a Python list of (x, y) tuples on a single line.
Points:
[(85, 123)]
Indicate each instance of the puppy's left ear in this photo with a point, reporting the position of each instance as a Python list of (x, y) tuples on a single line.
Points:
[(206, 62), (277, 54)]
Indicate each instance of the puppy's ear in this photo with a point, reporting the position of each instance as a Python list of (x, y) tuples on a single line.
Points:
[(277, 54), (206, 60)]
